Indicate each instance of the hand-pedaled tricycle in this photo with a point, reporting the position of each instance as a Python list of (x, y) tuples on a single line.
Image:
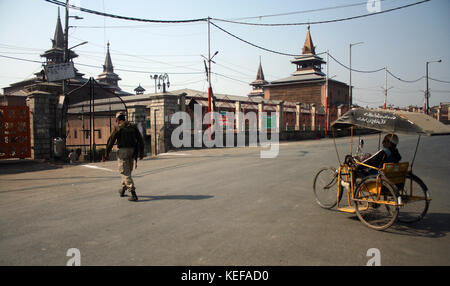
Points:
[(387, 193)]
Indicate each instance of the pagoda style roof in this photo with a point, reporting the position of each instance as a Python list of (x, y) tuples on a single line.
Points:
[(259, 77), (307, 58), (56, 53), (306, 78), (108, 73), (139, 89), (308, 47)]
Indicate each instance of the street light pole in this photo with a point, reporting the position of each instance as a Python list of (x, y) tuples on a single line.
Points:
[(326, 99), (427, 91), (350, 99), (385, 89)]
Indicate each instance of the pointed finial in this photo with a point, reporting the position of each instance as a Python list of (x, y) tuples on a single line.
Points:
[(58, 13)]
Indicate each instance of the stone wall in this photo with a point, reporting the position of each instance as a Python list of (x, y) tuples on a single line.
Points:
[(42, 123)]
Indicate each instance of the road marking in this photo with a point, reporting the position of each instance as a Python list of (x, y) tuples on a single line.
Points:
[(174, 154), (96, 167)]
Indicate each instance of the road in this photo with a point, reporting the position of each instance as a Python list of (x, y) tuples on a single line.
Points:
[(213, 207)]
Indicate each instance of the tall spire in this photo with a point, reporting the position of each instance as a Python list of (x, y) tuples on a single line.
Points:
[(108, 66), (308, 47), (260, 74), (55, 55), (108, 76), (58, 38), (308, 63), (258, 89)]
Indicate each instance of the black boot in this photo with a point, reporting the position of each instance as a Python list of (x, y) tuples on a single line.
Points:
[(134, 197), (122, 191)]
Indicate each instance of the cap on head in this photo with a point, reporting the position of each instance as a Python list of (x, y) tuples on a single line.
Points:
[(120, 115), (392, 138)]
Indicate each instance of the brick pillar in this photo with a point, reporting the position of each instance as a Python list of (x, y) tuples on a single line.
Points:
[(183, 102), (339, 110), (238, 116), (313, 117), (280, 117), (162, 107), (298, 116), (136, 114), (260, 116)]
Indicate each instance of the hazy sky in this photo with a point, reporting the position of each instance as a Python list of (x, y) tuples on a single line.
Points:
[(403, 40)]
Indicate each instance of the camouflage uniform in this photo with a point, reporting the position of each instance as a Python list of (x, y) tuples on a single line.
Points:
[(130, 146)]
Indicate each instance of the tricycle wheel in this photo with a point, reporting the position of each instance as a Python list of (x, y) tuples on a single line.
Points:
[(325, 187), (415, 199), (376, 213)]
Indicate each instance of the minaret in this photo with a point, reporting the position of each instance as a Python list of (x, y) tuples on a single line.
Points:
[(108, 76), (308, 62), (258, 89), (308, 47), (56, 54)]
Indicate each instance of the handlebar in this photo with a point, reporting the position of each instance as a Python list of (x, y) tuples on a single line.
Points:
[(349, 160)]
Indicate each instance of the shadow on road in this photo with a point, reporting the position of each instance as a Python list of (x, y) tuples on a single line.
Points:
[(23, 166), (174, 197), (433, 225)]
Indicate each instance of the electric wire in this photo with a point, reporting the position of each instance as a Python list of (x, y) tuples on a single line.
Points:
[(355, 70), (304, 11), (407, 81), (324, 21), (125, 17), (251, 44), (443, 81)]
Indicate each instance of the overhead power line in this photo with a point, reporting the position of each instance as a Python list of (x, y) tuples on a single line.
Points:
[(324, 21), (230, 21), (125, 17), (20, 59), (186, 73), (251, 44), (355, 70), (304, 11), (407, 81), (444, 81)]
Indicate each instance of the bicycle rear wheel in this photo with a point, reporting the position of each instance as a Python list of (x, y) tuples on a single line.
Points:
[(376, 213), (415, 199), (325, 187)]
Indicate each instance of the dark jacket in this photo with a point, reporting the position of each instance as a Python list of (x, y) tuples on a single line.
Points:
[(385, 155), (127, 135)]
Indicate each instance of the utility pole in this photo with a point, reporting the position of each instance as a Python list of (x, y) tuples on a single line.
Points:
[(66, 34), (350, 99), (326, 100), (61, 128), (385, 88), (427, 91), (208, 74)]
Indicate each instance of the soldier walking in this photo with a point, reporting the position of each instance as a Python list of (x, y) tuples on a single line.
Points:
[(130, 146)]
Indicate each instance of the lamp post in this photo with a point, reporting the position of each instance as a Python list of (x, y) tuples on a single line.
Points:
[(385, 89), (155, 77), (427, 91), (163, 77), (350, 85)]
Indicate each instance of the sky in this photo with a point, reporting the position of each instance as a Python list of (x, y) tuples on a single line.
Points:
[(402, 40)]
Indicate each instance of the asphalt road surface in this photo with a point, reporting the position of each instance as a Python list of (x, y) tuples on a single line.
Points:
[(220, 207)]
